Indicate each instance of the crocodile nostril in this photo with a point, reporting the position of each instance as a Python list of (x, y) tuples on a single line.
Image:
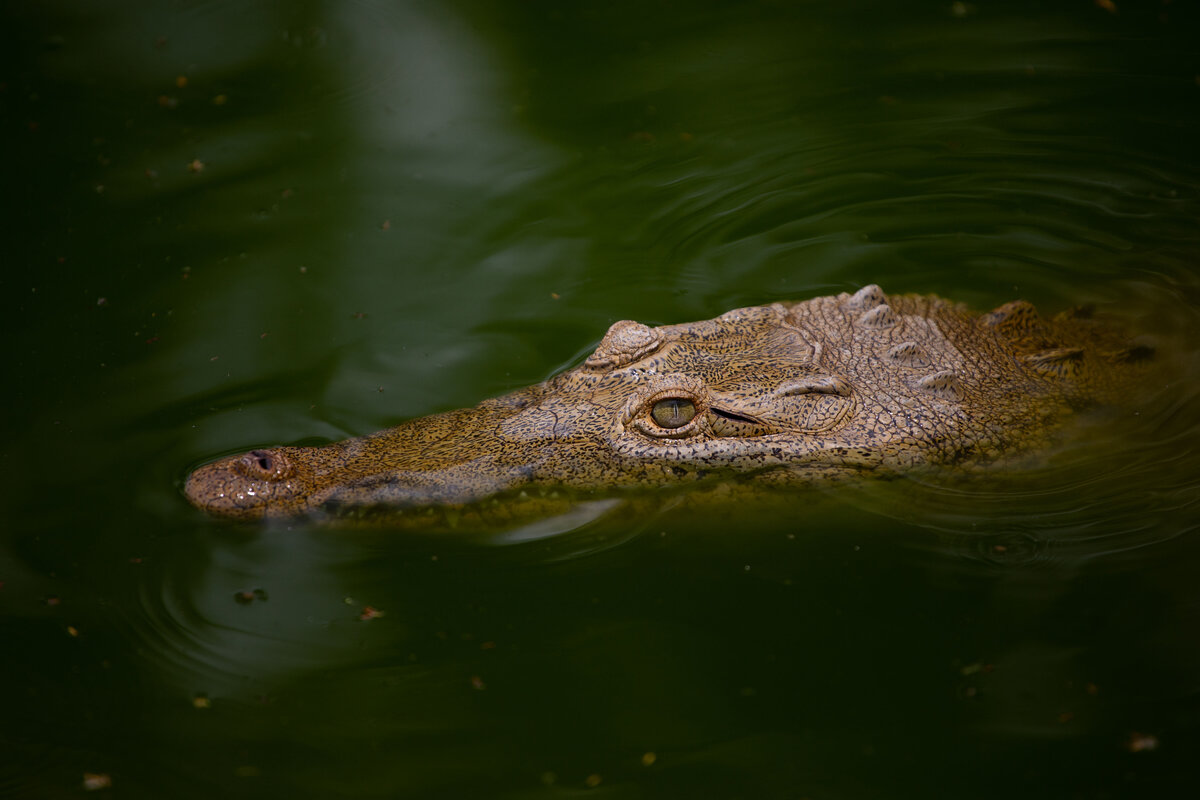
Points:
[(264, 465)]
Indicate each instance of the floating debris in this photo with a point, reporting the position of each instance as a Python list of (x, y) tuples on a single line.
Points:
[(976, 668), (94, 781), (247, 596), (1141, 742)]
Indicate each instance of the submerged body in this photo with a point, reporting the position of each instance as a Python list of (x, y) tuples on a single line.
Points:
[(783, 394)]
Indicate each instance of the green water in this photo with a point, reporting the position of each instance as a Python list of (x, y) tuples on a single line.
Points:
[(238, 224)]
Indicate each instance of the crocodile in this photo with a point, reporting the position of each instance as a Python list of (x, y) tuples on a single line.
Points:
[(778, 395)]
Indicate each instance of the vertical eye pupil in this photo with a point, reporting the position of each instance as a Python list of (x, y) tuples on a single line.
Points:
[(673, 412)]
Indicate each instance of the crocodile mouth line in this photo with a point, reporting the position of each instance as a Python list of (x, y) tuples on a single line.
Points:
[(732, 417)]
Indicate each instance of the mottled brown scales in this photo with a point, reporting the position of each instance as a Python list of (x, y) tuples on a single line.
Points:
[(785, 394)]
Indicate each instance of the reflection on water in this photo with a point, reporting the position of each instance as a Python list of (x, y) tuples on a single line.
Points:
[(241, 225)]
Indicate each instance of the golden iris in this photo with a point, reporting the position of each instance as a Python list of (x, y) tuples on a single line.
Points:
[(673, 412)]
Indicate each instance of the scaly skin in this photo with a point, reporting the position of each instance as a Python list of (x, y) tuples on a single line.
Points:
[(783, 394)]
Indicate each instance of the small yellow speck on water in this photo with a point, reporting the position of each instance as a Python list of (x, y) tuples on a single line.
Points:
[(593, 780), (369, 613), (303, 270), (195, 166), (220, 100), (181, 81), (201, 701), (555, 296), (1107, 5), (72, 631), (387, 224), (94, 781), (1141, 742), (648, 759)]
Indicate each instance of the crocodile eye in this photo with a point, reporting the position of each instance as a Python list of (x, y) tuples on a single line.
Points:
[(673, 412)]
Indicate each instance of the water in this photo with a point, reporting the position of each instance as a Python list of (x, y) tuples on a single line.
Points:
[(235, 225)]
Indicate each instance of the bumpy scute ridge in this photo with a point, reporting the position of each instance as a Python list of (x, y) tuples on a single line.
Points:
[(1060, 362), (944, 385), (881, 316), (867, 297), (909, 354)]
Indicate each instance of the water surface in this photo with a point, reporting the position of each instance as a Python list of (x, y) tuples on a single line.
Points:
[(235, 225)]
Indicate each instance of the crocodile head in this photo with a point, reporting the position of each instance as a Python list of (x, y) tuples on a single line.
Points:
[(782, 394)]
